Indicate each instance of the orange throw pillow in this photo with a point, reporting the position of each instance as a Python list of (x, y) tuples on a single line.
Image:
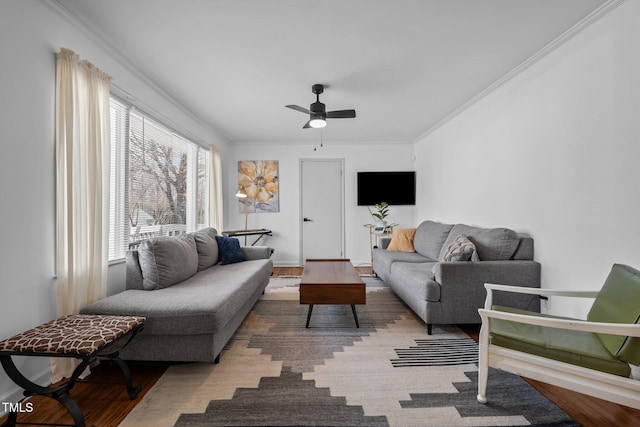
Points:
[(402, 240)]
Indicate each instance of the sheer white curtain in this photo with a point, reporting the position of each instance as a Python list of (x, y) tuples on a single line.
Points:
[(215, 190), (82, 187)]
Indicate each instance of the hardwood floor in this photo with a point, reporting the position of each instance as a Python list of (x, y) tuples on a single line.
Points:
[(105, 403), (586, 410), (102, 397)]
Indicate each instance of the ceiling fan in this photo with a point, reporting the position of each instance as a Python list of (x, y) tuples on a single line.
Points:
[(317, 114)]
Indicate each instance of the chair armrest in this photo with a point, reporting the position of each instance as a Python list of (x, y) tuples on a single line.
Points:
[(632, 330), (490, 287), (540, 291), (256, 252)]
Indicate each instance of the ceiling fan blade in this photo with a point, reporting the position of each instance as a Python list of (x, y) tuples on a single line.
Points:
[(341, 114), (298, 108), (306, 125)]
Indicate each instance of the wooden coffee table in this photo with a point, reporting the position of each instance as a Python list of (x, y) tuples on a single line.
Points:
[(331, 281)]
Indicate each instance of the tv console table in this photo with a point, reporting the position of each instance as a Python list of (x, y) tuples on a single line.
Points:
[(260, 232)]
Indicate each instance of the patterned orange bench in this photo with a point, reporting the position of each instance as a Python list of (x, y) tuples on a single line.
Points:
[(82, 336)]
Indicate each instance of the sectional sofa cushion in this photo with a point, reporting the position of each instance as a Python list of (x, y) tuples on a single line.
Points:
[(402, 240), (165, 261), (207, 247), (230, 251), (383, 260), (417, 279), (203, 304), (429, 238), (492, 244)]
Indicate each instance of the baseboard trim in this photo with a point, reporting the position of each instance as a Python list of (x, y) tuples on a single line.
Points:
[(15, 394)]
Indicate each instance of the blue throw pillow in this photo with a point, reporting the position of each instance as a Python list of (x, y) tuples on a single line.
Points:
[(230, 251)]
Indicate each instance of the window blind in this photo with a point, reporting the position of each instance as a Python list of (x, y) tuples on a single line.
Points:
[(159, 182), (118, 229)]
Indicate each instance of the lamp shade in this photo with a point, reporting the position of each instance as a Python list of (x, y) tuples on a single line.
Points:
[(241, 193)]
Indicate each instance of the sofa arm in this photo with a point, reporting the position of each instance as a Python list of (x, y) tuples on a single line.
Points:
[(256, 252), (384, 242), (464, 281)]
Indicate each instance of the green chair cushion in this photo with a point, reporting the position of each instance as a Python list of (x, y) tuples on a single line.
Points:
[(575, 347), (619, 302)]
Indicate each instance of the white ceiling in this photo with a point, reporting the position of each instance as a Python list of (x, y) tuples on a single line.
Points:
[(404, 65)]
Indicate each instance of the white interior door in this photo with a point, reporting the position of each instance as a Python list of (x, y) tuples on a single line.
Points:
[(322, 208)]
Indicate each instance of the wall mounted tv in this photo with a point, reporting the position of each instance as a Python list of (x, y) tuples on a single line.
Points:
[(395, 188)]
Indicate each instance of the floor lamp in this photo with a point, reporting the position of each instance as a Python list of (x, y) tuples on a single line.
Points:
[(242, 194)]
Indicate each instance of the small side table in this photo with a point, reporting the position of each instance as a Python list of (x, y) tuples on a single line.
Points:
[(386, 231), (83, 336)]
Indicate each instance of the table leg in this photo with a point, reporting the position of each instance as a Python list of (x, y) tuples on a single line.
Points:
[(355, 315), (73, 408), (309, 314), (60, 393), (132, 390), (12, 420)]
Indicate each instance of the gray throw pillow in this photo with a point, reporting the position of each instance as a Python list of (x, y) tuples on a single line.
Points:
[(461, 249), (492, 244), (165, 261), (207, 247)]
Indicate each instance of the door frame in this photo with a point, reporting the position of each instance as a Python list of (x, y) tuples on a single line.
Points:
[(342, 204)]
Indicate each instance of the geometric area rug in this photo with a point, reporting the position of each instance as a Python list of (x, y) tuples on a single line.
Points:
[(388, 372)]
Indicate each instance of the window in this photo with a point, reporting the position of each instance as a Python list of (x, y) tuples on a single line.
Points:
[(158, 181)]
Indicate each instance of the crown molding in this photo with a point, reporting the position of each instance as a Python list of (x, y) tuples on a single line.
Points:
[(99, 38), (587, 21)]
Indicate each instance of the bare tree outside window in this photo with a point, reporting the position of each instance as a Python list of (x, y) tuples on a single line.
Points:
[(202, 203), (157, 178), (159, 181)]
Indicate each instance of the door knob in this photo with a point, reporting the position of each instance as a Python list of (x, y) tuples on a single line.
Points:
[(307, 219)]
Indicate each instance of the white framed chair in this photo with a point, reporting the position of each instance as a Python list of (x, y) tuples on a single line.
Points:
[(589, 356)]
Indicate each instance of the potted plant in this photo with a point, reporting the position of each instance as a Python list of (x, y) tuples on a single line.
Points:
[(382, 211)]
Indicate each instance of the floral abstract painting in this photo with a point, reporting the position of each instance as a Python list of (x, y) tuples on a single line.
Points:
[(259, 179)]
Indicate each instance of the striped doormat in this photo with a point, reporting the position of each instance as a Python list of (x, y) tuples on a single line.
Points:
[(435, 352)]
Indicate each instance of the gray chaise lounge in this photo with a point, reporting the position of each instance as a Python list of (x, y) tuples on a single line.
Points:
[(193, 303)]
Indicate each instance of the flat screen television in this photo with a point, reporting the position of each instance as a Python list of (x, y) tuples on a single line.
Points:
[(395, 188)]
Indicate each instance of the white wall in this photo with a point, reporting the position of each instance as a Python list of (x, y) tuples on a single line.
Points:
[(31, 32), (554, 153), (286, 223)]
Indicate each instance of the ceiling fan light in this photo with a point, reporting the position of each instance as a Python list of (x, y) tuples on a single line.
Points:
[(317, 123)]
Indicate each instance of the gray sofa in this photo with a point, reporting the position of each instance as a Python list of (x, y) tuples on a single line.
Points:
[(441, 283), (194, 291)]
